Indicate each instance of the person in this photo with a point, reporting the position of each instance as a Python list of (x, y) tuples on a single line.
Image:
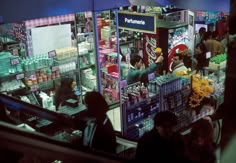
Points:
[(212, 44), (137, 71), (89, 25), (178, 64), (65, 91), (201, 57), (227, 39), (99, 133), (200, 35), (162, 143), (188, 62), (200, 147)]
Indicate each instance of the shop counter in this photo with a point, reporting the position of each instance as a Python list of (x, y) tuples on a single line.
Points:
[(72, 111)]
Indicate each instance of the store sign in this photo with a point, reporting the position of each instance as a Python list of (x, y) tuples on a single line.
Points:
[(150, 42), (137, 22), (208, 16)]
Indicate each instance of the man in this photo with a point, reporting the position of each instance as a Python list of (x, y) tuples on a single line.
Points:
[(178, 64), (162, 143), (137, 71)]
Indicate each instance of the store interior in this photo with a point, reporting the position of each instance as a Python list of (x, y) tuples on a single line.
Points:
[(93, 47)]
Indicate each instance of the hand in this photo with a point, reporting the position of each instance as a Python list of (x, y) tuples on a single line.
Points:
[(160, 59), (208, 118), (142, 67)]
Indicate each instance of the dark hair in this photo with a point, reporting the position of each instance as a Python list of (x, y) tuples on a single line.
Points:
[(134, 58), (202, 46), (207, 35), (215, 34), (165, 116), (202, 29), (96, 104), (202, 128), (181, 56), (66, 82), (64, 92)]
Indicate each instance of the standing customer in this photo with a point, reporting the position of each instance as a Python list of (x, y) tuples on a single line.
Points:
[(137, 71), (178, 64), (65, 91), (201, 57), (162, 143), (200, 147), (99, 133)]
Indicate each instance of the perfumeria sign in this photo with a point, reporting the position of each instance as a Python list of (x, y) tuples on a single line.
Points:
[(137, 22)]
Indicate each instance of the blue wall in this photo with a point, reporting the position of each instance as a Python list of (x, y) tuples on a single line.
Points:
[(19, 10), (212, 5)]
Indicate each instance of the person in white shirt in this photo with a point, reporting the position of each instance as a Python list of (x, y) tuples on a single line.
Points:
[(178, 64)]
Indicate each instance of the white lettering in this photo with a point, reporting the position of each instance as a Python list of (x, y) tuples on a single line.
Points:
[(150, 48), (132, 21)]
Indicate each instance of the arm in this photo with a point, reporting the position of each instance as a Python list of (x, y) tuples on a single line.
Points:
[(152, 67)]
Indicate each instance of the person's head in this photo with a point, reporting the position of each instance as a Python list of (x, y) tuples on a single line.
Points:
[(96, 104), (136, 60), (165, 123), (177, 59), (202, 133), (68, 83), (202, 31)]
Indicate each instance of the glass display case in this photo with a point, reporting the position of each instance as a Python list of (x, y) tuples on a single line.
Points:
[(108, 55), (86, 50)]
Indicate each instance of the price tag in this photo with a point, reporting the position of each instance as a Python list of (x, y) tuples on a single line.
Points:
[(54, 68), (33, 88), (20, 76), (15, 52), (52, 54), (208, 55), (15, 61)]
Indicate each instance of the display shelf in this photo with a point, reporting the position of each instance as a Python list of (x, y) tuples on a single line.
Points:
[(138, 106), (126, 42), (12, 88), (84, 54), (67, 60), (137, 120), (86, 67), (69, 72), (34, 70), (10, 75)]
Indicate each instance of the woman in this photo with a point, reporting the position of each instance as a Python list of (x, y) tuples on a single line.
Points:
[(65, 92), (201, 57), (99, 133)]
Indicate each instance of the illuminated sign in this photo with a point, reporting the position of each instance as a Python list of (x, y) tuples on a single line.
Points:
[(137, 22)]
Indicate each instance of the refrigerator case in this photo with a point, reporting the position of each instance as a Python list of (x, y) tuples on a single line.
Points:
[(171, 37)]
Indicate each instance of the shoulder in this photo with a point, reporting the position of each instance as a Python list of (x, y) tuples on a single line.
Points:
[(149, 136)]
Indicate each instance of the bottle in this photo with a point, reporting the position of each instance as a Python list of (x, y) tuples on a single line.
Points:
[(52, 97)]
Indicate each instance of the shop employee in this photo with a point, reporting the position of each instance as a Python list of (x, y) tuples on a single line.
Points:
[(137, 72)]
